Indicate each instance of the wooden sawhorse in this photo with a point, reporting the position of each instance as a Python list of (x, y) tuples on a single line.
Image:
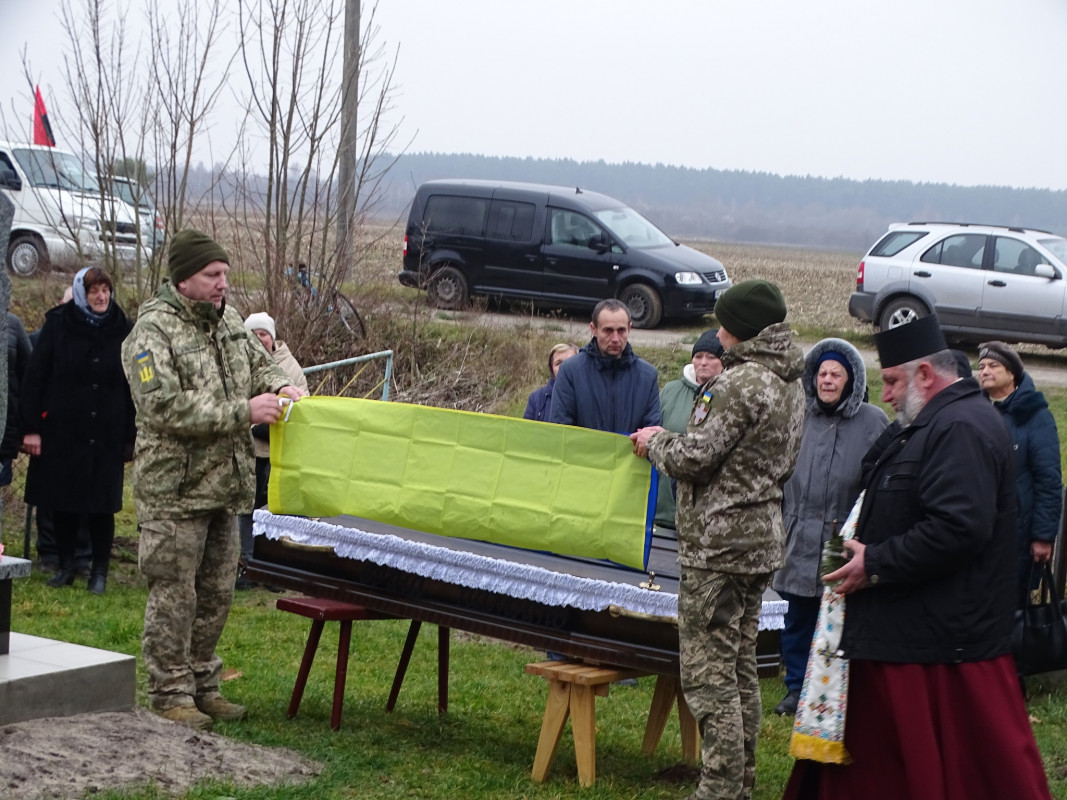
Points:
[(320, 611), (572, 691)]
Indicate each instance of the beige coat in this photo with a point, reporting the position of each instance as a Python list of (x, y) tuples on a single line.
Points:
[(283, 357)]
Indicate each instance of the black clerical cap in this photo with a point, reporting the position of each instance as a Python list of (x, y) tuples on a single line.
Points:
[(904, 343)]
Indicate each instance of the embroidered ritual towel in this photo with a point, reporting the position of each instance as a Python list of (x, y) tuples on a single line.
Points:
[(819, 726)]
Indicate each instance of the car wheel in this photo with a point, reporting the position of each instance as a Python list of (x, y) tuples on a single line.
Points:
[(646, 309), (26, 254), (448, 289), (901, 312)]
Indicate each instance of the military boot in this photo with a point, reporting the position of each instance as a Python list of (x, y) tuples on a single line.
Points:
[(219, 708), (187, 715)]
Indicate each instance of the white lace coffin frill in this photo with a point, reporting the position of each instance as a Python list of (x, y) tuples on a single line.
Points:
[(475, 571)]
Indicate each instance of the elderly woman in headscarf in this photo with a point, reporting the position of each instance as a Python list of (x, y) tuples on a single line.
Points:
[(262, 325), (839, 428), (78, 422)]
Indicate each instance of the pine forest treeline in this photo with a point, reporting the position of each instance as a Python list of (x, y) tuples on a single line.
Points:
[(739, 206)]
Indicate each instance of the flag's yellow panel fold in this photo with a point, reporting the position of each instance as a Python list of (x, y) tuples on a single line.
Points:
[(456, 473)]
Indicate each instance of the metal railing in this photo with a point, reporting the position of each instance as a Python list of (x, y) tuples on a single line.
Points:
[(344, 362)]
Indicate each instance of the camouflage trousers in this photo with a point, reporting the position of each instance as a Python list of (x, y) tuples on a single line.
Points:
[(718, 620), (190, 565)]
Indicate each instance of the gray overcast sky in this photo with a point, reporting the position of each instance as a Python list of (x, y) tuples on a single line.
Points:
[(956, 91)]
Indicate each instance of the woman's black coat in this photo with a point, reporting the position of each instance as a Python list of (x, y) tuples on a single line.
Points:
[(18, 359), (76, 397)]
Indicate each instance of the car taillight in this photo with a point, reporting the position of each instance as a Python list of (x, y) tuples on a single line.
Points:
[(405, 244), (159, 222), (859, 278)]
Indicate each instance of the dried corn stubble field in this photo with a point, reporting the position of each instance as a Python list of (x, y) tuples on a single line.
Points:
[(816, 283)]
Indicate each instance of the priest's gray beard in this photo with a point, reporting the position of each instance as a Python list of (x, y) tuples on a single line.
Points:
[(913, 403)]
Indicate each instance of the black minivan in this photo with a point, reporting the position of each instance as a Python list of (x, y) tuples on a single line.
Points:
[(557, 247)]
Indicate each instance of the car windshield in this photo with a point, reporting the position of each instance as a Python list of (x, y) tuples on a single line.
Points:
[(123, 191), (1056, 246), (632, 228), (54, 169), (129, 192)]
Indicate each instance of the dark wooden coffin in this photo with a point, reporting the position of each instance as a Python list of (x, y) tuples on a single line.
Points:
[(614, 634)]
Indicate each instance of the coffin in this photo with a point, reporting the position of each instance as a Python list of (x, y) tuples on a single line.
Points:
[(584, 608)]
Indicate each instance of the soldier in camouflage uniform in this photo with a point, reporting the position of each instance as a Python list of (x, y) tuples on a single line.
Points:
[(737, 452), (199, 381)]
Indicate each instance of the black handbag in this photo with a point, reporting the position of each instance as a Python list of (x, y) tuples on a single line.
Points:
[(1039, 639)]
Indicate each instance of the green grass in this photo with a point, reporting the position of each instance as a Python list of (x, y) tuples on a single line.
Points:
[(482, 748)]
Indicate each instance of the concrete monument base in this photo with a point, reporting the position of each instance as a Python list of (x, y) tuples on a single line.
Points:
[(45, 678)]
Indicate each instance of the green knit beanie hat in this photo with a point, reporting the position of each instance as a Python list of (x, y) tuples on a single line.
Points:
[(748, 307), (191, 251)]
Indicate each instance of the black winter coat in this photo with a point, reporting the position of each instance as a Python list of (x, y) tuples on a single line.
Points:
[(18, 359), (938, 520), (76, 397)]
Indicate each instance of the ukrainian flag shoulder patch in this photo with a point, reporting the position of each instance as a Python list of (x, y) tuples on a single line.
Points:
[(146, 371)]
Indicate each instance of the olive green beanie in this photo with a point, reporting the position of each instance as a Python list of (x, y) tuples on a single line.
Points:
[(748, 307), (191, 251)]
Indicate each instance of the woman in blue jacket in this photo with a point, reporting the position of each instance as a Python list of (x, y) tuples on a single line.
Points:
[(1037, 455)]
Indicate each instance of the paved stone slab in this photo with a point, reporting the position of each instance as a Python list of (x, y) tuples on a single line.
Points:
[(45, 678), (11, 567)]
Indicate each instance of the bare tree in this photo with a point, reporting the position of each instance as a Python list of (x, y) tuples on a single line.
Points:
[(110, 118), (291, 51), (188, 69), (157, 104), (139, 102)]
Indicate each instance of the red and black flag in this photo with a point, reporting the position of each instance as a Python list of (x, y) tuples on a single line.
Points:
[(42, 131)]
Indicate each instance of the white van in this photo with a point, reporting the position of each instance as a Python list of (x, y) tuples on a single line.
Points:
[(60, 217), (136, 196)]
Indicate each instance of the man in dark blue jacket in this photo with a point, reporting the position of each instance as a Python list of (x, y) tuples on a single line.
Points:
[(606, 387)]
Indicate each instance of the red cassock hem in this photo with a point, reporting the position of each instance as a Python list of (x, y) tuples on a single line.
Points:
[(931, 732)]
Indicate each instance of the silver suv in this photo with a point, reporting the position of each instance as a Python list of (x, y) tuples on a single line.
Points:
[(982, 281)]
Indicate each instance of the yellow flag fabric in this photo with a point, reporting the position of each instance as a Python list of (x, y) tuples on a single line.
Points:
[(508, 481)]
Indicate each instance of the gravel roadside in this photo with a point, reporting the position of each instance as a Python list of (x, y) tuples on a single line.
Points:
[(1046, 367)]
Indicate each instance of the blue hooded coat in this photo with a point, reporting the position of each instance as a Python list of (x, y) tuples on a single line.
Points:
[(1036, 445)]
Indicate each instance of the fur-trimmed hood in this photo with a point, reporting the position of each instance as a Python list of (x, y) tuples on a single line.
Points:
[(851, 404)]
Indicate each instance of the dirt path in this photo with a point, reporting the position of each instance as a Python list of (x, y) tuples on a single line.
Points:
[(1042, 368)]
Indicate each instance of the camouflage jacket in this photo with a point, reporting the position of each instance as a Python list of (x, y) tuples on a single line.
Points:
[(739, 449), (192, 370)]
